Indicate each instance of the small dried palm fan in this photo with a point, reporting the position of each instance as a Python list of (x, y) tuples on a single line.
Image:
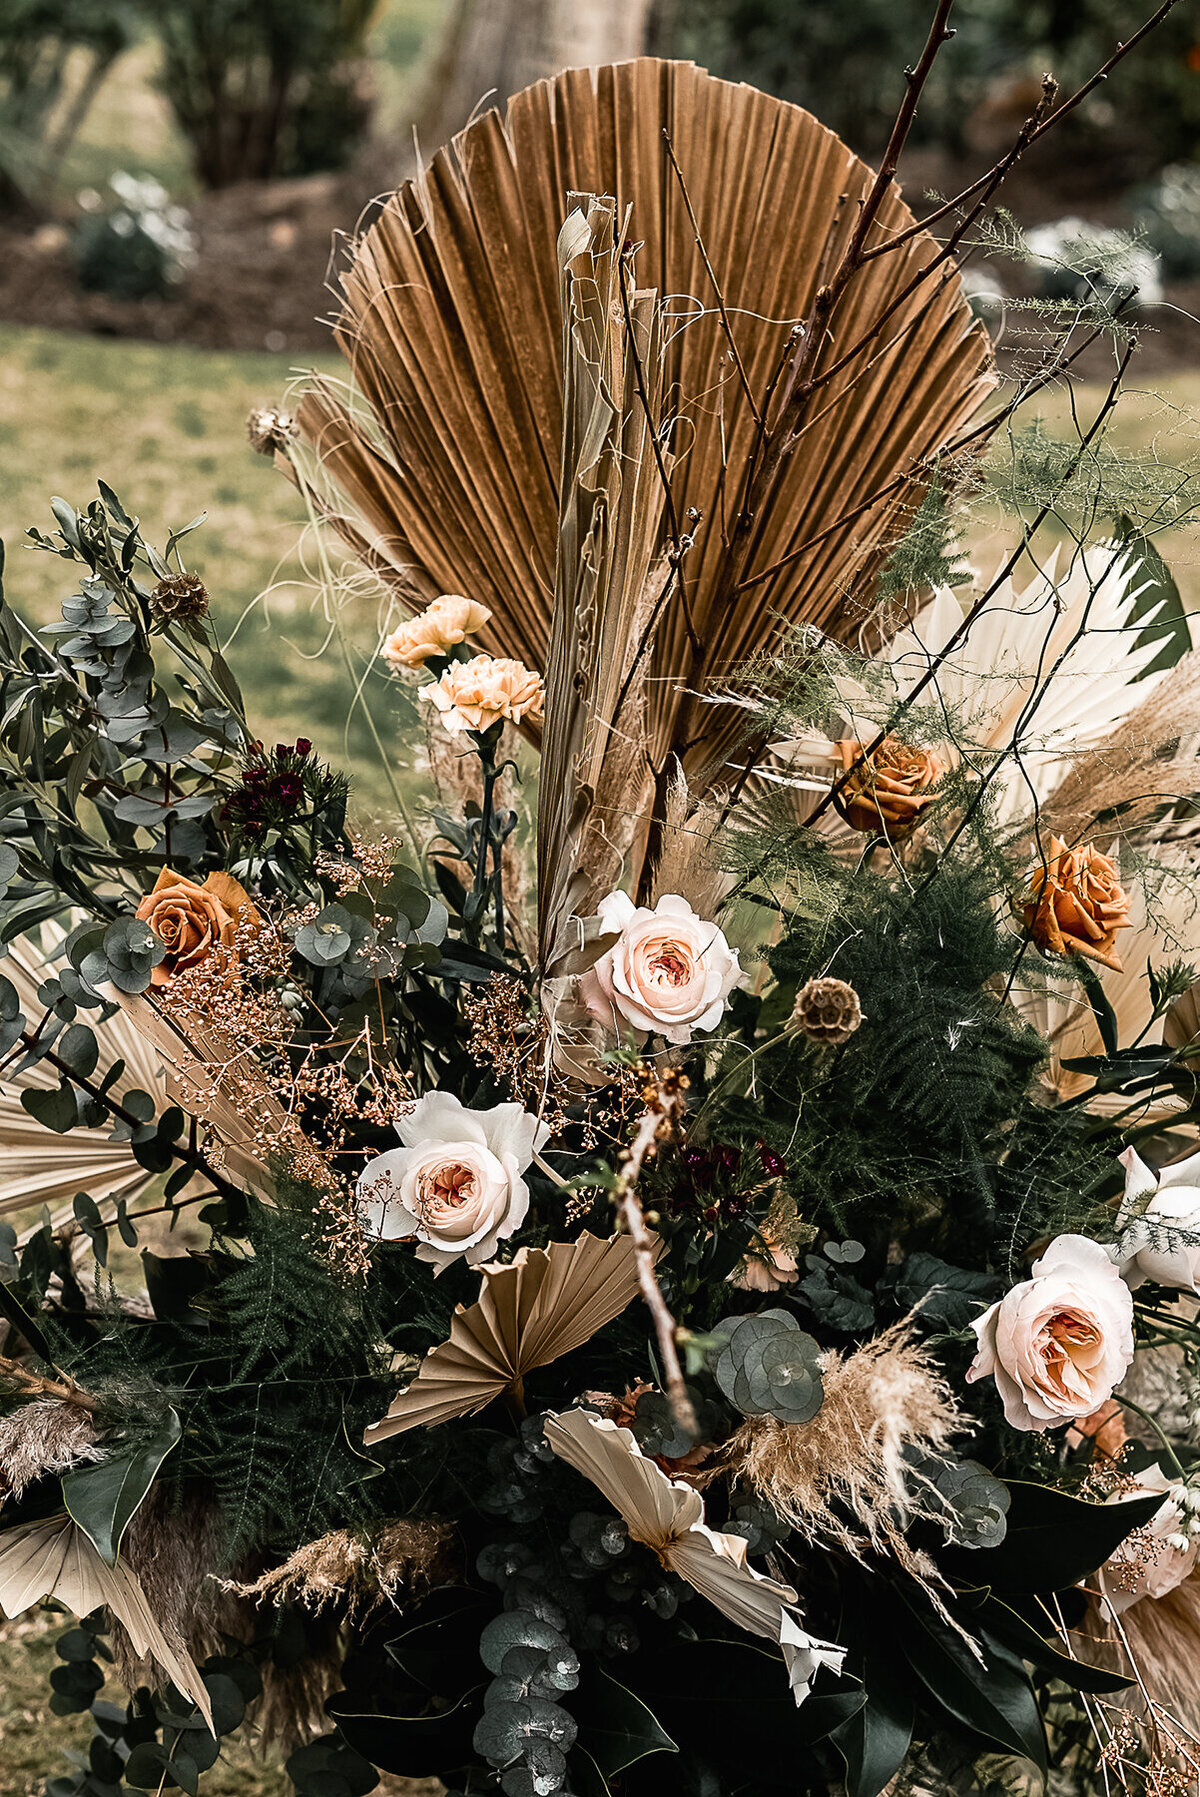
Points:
[(451, 471)]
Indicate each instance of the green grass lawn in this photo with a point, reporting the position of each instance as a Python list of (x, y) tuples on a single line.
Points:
[(165, 427)]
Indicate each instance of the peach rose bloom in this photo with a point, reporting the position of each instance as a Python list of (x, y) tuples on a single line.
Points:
[(456, 1184), (890, 789), (1076, 904), (190, 920), (475, 694), (1057, 1344), (435, 631), (1158, 1556), (668, 973)]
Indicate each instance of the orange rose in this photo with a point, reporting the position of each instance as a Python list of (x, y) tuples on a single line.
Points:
[(190, 920), (888, 790), (1076, 904)]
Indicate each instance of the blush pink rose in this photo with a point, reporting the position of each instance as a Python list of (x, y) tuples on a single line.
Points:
[(668, 973), (1057, 1344), (456, 1184)]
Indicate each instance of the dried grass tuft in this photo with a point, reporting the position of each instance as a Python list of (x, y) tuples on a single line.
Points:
[(358, 1572), (885, 1397), (43, 1436)]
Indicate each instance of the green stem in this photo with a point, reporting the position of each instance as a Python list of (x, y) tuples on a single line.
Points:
[(1147, 1418)]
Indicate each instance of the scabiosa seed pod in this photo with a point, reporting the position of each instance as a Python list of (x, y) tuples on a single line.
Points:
[(827, 1011), (268, 428), (179, 599)]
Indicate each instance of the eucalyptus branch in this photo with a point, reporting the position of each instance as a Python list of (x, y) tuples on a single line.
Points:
[(116, 1109)]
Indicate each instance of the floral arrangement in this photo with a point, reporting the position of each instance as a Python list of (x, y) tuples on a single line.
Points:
[(716, 1309)]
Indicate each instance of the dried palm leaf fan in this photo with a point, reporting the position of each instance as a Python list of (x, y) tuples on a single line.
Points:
[(446, 465)]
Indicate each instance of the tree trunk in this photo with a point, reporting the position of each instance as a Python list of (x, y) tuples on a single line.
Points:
[(493, 48)]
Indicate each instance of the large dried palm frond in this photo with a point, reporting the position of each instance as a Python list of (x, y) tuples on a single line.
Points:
[(38, 1167), (785, 494)]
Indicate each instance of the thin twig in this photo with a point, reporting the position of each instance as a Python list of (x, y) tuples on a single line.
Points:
[(681, 544), (987, 183), (665, 1103), (34, 1385), (715, 284), (985, 597)]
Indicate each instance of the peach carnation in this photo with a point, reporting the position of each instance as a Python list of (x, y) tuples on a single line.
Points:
[(435, 631), (474, 695)]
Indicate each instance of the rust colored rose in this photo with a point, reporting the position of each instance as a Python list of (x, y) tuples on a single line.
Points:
[(889, 789), (1076, 904), (190, 920)]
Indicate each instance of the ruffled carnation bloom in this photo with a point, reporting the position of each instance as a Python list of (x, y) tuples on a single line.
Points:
[(889, 789), (475, 694), (435, 631), (668, 973), (456, 1183), (1058, 1343), (191, 920), (1158, 1223), (1156, 1557), (1076, 904)]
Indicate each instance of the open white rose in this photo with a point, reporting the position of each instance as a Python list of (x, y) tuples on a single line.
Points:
[(456, 1184), (1158, 1223), (1151, 1561), (669, 972), (1058, 1343)]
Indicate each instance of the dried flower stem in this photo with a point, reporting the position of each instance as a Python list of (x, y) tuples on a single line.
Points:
[(34, 1385), (664, 1102)]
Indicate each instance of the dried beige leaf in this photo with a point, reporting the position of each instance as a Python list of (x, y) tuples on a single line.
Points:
[(541, 1306), (445, 469), (667, 1516), (38, 1167), (54, 1558)]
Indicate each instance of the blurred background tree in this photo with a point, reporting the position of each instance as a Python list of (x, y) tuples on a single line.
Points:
[(843, 62), (262, 88), (39, 41)]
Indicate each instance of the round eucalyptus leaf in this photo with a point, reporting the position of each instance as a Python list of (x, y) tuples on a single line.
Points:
[(517, 1628), (543, 1773)]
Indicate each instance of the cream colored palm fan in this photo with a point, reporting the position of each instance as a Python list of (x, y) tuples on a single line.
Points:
[(37, 1167), (445, 465), (540, 1306)]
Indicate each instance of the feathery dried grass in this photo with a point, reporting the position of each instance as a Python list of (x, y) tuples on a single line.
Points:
[(885, 1397), (43, 1436), (1150, 760), (357, 1572)]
